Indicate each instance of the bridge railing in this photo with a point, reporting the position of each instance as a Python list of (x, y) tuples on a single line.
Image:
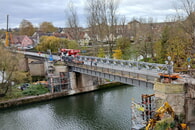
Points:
[(124, 63), (111, 63), (111, 71)]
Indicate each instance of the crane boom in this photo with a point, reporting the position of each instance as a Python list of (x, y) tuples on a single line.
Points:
[(7, 34)]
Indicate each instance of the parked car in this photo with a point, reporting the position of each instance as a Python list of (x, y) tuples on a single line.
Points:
[(24, 86)]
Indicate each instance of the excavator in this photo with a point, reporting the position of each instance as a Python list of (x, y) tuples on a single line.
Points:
[(159, 113)]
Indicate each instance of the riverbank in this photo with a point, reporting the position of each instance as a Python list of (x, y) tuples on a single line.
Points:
[(50, 96)]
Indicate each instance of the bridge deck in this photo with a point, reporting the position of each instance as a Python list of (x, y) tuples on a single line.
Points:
[(123, 76)]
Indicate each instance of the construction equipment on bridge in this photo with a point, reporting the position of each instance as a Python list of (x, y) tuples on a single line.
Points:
[(70, 55), (69, 52), (173, 76), (160, 113)]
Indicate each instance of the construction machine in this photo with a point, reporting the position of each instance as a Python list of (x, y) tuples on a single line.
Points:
[(159, 113)]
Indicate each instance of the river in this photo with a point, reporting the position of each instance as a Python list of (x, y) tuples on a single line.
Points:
[(107, 109)]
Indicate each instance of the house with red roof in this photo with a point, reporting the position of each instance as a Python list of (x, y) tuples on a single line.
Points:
[(21, 41)]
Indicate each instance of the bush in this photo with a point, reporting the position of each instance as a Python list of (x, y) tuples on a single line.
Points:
[(35, 90)]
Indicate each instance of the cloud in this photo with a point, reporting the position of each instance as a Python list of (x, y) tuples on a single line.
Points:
[(38, 11), (158, 9)]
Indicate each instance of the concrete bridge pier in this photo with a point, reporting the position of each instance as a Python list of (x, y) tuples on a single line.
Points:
[(83, 82)]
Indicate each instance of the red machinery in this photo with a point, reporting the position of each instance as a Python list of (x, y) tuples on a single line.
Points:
[(69, 52), (69, 55)]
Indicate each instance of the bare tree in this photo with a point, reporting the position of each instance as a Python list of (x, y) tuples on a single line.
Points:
[(186, 10), (143, 31), (122, 29), (72, 21), (102, 20)]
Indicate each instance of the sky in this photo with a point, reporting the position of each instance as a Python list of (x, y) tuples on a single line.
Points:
[(54, 11)]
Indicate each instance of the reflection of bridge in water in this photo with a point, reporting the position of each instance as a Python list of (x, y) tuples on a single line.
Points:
[(124, 71)]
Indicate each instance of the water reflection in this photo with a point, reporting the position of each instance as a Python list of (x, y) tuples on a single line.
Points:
[(105, 109)]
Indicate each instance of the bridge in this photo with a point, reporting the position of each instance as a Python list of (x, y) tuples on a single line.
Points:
[(128, 72), (124, 71)]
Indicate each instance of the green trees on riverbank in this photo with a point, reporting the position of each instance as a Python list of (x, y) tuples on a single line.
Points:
[(10, 71)]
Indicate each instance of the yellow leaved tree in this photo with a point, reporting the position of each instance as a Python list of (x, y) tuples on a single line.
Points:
[(55, 43), (117, 54), (101, 53)]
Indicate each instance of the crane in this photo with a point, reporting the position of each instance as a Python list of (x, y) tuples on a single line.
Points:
[(8, 35)]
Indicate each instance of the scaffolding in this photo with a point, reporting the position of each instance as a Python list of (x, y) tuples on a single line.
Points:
[(142, 111), (57, 83), (148, 102)]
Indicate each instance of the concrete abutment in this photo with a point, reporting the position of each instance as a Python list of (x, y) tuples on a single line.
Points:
[(181, 98)]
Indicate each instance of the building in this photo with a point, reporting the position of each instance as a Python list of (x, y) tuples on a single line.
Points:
[(22, 41)]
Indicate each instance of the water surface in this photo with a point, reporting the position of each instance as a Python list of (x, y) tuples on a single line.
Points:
[(107, 109)]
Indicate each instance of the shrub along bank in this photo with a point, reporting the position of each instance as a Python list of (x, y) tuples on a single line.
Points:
[(24, 90)]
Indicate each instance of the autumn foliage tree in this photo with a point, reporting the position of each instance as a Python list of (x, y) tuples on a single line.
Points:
[(117, 54), (101, 53), (174, 42), (54, 43), (125, 45), (47, 27), (26, 28)]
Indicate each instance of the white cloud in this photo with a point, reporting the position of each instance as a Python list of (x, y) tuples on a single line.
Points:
[(158, 9), (38, 11)]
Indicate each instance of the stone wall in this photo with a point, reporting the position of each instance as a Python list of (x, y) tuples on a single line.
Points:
[(37, 68), (23, 64), (190, 103), (171, 93), (44, 97)]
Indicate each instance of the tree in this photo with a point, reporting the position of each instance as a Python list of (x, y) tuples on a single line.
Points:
[(175, 43), (178, 46), (103, 20), (73, 21), (26, 28), (117, 54), (47, 27), (125, 45), (186, 10), (9, 67), (145, 37), (101, 53), (54, 43), (162, 45)]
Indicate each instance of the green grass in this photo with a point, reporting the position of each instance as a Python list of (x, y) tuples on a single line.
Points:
[(15, 92), (35, 90), (12, 94)]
